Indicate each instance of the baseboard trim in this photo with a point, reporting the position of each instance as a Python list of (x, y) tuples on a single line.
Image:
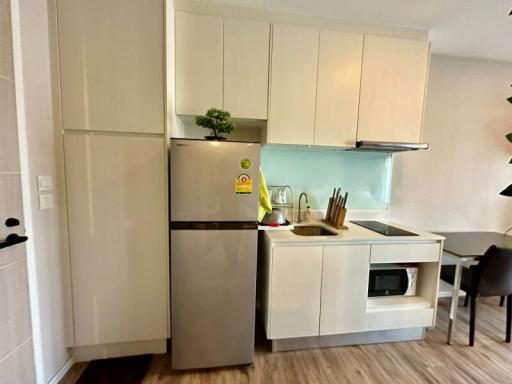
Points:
[(62, 372), (371, 337), (107, 351)]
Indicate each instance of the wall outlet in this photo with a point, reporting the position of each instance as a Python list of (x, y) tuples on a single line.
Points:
[(44, 183), (45, 201)]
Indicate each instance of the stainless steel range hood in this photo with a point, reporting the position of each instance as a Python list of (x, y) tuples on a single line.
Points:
[(388, 146)]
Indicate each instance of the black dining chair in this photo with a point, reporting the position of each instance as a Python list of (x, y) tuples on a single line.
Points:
[(492, 277)]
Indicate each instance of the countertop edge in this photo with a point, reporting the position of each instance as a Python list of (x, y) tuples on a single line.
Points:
[(353, 235)]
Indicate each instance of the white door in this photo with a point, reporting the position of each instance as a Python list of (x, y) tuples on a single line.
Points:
[(199, 61), (118, 234), (16, 353), (112, 65), (246, 51), (295, 291), (293, 85), (339, 77), (344, 289), (393, 87)]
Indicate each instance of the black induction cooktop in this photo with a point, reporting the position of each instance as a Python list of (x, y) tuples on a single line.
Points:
[(384, 229)]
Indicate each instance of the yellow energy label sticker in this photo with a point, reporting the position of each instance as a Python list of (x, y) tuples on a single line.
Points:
[(243, 184)]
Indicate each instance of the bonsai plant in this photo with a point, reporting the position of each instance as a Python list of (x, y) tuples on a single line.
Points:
[(218, 121)]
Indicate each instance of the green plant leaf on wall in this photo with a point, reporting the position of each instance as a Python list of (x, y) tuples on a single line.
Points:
[(509, 137), (507, 191), (509, 99)]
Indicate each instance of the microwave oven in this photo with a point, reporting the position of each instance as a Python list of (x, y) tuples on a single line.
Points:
[(392, 280)]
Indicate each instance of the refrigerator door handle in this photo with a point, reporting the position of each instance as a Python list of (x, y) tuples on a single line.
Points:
[(214, 225)]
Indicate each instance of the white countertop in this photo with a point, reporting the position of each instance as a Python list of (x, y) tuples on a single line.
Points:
[(354, 234)]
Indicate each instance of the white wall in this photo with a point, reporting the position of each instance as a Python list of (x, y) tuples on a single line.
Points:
[(48, 229), (16, 351), (455, 184)]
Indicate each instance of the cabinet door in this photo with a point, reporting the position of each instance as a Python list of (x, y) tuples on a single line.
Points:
[(293, 85), (199, 61), (344, 289), (392, 89), (112, 65), (339, 77), (246, 51), (118, 233), (295, 291)]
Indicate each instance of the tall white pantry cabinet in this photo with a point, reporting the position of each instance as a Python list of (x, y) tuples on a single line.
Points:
[(112, 88)]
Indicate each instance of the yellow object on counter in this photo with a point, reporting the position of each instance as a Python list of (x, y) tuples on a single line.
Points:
[(265, 205)]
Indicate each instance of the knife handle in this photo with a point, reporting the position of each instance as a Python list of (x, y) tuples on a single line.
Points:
[(329, 209)]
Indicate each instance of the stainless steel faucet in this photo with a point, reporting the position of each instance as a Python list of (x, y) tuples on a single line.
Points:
[(300, 219)]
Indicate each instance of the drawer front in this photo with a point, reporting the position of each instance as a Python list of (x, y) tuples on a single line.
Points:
[(404, 253), (406, 318)]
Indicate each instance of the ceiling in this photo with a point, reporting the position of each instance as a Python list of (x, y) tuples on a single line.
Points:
[(470, 28)]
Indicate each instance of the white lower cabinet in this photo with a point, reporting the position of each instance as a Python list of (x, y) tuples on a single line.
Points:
[(344, 289), (318, 290), (405, 253), (397, 319), (294, 303), (118, 234)]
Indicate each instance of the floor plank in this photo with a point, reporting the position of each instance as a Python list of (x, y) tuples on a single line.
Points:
[(427, 361)]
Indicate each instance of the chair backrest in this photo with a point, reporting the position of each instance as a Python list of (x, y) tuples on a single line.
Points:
[(494, 276)]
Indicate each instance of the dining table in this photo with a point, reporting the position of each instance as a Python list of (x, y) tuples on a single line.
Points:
[(466, 248)]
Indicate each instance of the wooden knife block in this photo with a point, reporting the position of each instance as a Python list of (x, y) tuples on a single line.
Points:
[(338, 221)]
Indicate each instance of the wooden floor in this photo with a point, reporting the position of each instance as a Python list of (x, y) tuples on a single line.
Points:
[(428, 361)]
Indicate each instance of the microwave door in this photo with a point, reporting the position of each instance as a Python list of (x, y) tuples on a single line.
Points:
[(404, 282), (388, 282)]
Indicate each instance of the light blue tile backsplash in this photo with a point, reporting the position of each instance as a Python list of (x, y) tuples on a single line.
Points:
[(365, 176)]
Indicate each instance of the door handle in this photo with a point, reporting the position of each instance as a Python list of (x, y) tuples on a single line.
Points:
[(12, 222), (12, 239)]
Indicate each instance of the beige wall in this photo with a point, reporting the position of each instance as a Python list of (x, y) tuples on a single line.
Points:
[(455, 184), (43, 156), (16, 355)]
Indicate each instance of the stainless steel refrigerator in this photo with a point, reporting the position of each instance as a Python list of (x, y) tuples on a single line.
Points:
[(214, 211)]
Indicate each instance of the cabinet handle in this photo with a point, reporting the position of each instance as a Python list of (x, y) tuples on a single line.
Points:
[(12, 239), (12, 222)]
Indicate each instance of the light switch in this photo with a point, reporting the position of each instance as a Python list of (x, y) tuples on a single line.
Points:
[(44, 183), (45, 201)]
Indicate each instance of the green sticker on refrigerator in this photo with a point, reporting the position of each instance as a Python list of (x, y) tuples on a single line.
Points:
[(245, 163)]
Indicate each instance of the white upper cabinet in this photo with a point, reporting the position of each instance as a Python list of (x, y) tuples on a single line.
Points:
[(199, 63), (112, 65), (321, 87), (339, 77), (293, 85), (246, 51), (393, 85), (221, 63)]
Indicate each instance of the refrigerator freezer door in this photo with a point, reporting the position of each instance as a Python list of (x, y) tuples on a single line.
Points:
[(213, 289), (214, 181)]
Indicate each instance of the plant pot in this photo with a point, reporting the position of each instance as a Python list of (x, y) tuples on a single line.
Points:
[(215, 138)]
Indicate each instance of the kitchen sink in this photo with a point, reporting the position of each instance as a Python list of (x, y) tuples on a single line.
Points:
[(312, 230)]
